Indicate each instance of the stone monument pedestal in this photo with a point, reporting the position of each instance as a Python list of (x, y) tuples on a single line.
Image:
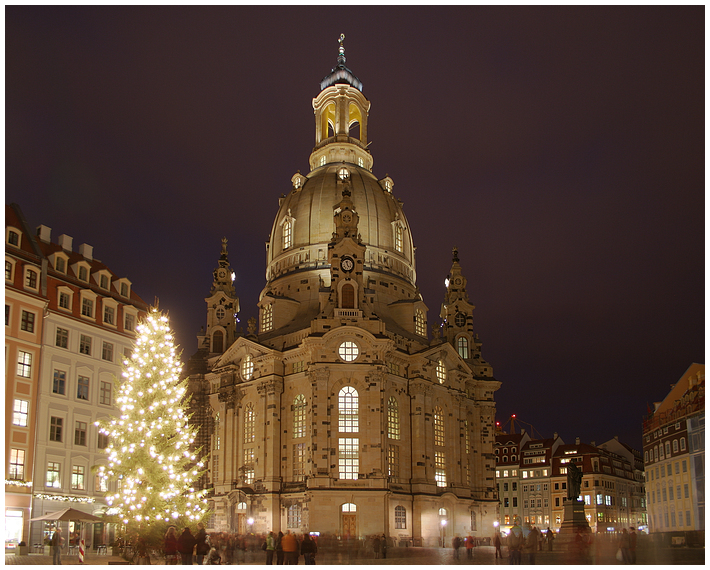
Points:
[(574, 521)]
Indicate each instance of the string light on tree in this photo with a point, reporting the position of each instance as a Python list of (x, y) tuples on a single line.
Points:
[(149, 455)]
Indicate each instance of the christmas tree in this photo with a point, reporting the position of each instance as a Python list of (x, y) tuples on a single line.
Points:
[(149, 455)]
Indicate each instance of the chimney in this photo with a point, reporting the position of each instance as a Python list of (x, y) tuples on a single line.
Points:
[(554, 435), (44, 233), (87, 251), (576, 441), (66, 242), (594, 444)]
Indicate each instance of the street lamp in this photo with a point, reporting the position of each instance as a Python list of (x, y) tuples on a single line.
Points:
[(443, 524)]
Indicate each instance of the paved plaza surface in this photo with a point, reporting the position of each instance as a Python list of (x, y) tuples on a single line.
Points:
[(485, 555)]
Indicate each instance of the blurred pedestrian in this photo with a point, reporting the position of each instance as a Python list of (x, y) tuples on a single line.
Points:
[(308, 549)]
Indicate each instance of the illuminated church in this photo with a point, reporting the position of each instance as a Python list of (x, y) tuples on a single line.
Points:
[(335, 412)]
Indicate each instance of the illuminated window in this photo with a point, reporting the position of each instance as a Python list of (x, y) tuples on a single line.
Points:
[(78, 473), (439, 435), (440, 469), (392, 418), (20, 413), (247, 367), (441, 372), (348, 351), (100, 484), (393, 461), (462, 346), (419, 324), (299, 461), (8, 270), (343, 174), (398, 233), (348, 457), (24, 364), (466, 437), (267, 318), (293, 518), (53, 475), (322, 160), (400, 517), (17, 464), (249, 422), (287, 234), (349, 508), (299, 416), (248, 475), (348, 410), (31, 279)]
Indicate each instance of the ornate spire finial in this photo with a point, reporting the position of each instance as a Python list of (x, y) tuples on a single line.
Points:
[(341, 49), (455, 251)]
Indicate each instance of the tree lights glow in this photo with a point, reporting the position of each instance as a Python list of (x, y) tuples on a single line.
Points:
[(150, 462)]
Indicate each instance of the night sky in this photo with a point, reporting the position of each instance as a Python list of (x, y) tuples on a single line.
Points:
[(561, 149)]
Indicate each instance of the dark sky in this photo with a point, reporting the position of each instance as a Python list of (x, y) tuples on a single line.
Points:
[(560, 148)]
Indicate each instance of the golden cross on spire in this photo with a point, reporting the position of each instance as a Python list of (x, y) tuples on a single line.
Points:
[(341, 50)]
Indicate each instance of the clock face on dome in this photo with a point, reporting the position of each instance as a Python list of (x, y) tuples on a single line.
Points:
[(347, 264), (347, 217), (222, 273)]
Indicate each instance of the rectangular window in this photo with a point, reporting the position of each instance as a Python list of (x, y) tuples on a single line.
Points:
[(82, 388), (100, 485), (7, 315), (53, 475), (686, 491), (62, 340), (105, 393), (515, 502), (80, 433), (20, 413), (59, 383), (55, 429), (87, 307), (77, 477), (348, 457), (107, 351), (440, 469), (393, 461), (31, 279), (299, 461), (215, 467), (400, 517), (85, 345), (24, 364), (293, 517), (27, 323), (17, 464), (248, 475), (8, 270), (130, 322), (64, 300), (109, 315), (102, 441)]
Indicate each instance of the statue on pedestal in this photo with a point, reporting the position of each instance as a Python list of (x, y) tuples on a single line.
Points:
[(574, 481)]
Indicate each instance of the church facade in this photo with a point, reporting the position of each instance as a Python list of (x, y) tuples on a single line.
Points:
[(335, 412)]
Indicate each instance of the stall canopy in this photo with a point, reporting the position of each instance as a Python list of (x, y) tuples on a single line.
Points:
[(68, 514)]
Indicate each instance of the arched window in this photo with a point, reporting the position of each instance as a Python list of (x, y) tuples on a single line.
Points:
[(398, 234), (218, 341), (419, 324), (287, 234), (462, 345), (299, 416), (293, 519), (347, 296), (349, 508), (249, 422), (247, 367), (441, 371), (400, 517), (392, 418), (267, 318), (442, 512), (348, 410), (439, 432)]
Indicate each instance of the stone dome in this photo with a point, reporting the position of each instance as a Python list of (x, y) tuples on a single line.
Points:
[(304, 224)]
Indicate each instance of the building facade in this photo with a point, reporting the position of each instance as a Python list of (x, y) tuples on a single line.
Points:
[(674, 458), (336, 413), (87, 316)]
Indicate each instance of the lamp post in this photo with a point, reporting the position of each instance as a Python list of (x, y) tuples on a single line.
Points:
[(443, 525)]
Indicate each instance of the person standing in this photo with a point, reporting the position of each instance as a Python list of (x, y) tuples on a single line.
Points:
[(186, 544), (279, 548), (308, 549), (376, 546), (290, 547), (469, 547), (531, 545), (170, 546), (624, 545), (632, 545), (270, 548), (383, 546), (496, 544), (550, 539), (56, 543), (456, 543), (515, 544), (201, 545)]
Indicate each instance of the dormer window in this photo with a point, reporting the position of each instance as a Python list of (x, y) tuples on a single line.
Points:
[(13, 237), (60, 264), (31, 279), (83, 273), (124, 290), (123, 287), (103, 282)]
